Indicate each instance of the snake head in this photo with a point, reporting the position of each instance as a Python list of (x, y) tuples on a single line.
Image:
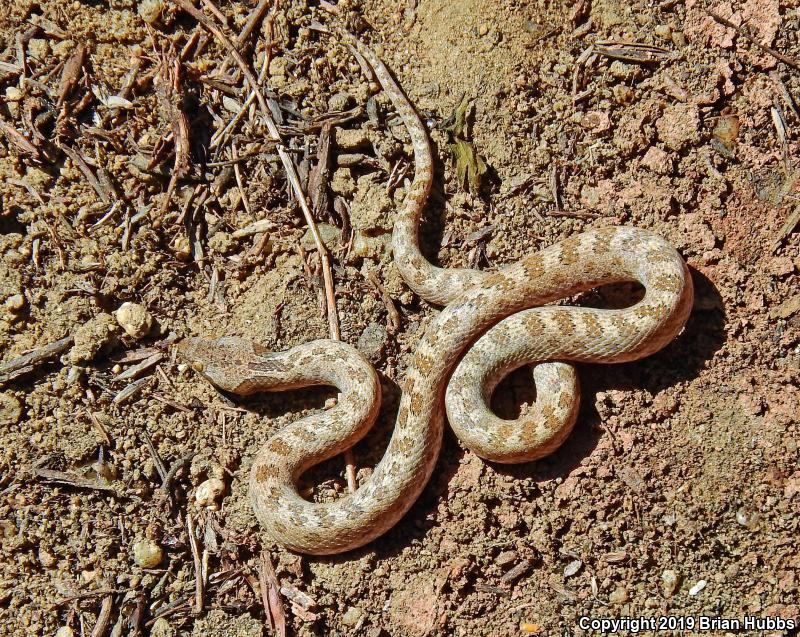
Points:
[(226, 362)]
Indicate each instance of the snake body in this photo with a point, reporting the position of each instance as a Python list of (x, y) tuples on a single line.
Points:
[(491, 324)]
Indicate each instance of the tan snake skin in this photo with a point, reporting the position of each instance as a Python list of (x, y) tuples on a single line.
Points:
[(492, 324)]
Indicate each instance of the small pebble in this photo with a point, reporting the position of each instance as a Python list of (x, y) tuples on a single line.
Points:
[(150, 10), (619, 595), (622, 94), (46, 558), (747, 518), (222, 243), (208, 492), (340, 101), (694, 590), (669, 582), (65, 631), (678, 39), (373, 341), (572, 568), (134, 319), (147, 554), (162, 628), (663, 31), (182, 248), (10, 410), (727, 129), (15, 303), (352, 616), (13, 94), (351, 139)]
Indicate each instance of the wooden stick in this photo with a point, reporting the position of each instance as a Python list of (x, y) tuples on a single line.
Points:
[(768, 49), (286, 160), (27, 362), (270, 595), (198, 566), (294, 180)]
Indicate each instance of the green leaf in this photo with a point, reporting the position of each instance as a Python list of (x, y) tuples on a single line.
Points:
[(470, 166)]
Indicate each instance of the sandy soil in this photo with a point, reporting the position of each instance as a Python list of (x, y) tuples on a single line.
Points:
[(678, 492)]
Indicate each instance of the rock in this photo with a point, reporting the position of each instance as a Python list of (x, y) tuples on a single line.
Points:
[(371, 210), (331, 236), (342, 182), (663, 31), (39, 48), (277, 67), (208, 492), (147, 554), (351, 138), (622, 94), (747, 518), (91, 337), (340, 101), (619, 595), (10, 410), (657, 160), (352, 616), (46, 558), (727, 129), (222, 243), (64, 631), (598, 122), (694, 590), (371, 247), (150, 10), (182, 248), (572, 568), (15, 303), (162, 628), (134, 319), (669, 582), (678, 39), (13, 94), (220, 624), (373, 341), (679, 126)]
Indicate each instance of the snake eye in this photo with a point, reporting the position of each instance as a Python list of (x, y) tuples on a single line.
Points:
[(198, 366)]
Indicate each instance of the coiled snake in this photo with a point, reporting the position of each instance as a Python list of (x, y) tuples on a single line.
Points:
[(491, 324)]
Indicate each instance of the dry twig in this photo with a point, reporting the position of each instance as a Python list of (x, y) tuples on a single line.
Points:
[(198, 566), (270, 595), (746, 35), (26, 363)]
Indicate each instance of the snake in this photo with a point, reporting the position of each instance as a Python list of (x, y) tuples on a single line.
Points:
[(490, 324)]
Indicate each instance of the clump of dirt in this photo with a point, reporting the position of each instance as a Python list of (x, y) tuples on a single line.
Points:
[(136, 168)]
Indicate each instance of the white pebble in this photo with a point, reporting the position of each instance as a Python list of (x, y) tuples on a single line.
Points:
[(134, 319), (572, 568), (147, 554), (694, 590), (65, 631), (208, 492)]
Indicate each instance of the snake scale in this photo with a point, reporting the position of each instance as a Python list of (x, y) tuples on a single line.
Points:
[(491, 323)]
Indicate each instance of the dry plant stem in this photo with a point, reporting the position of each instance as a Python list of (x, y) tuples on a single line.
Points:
[(767, 49), (27, 362), (256, 15), (238, 174), (294, 180), (198, 566), (286, 160), (19, 140), (71, 480), (103, 618), (270, 595)]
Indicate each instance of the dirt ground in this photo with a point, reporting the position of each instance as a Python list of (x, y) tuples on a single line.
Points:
[(678, 494)]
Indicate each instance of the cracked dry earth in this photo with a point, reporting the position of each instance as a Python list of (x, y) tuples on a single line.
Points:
[(678, 492)]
